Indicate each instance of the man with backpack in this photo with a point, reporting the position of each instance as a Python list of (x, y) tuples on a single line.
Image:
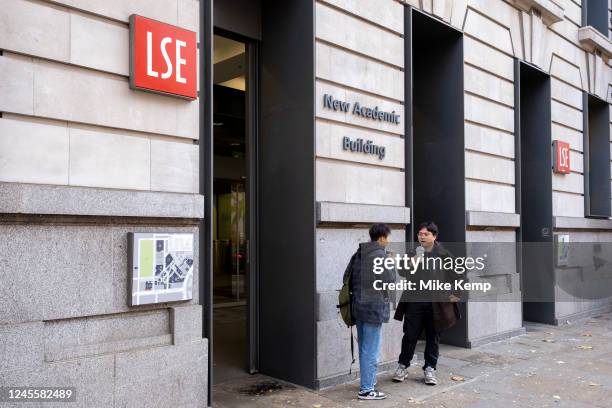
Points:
[(369, 308)]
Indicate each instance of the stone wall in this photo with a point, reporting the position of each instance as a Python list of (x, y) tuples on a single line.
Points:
[(359, 57), (83, 161)]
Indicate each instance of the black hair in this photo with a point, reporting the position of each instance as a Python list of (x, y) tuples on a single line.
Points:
[(379, 230), (429, 226)]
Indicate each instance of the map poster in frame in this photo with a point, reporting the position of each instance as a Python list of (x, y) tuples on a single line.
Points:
[(160, 267)]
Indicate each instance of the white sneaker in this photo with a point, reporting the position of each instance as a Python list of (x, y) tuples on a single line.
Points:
[(371, 395), (429, 375), (400, 373)]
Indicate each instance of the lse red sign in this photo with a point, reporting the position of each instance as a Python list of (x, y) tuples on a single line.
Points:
[(162, 58), (562, 157)]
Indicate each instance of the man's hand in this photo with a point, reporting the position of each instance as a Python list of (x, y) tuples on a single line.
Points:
[(453, 298)]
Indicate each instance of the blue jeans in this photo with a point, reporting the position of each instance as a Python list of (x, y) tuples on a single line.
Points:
[(369, 336)]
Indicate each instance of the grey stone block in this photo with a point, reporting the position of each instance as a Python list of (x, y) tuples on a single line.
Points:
[(581, 223), (498, 257), (477, 342), (334, 348), (90, 350), (392, 341), (163, 376), (186, 323), (71, 338), (563, 316), (51, 260), (22, 346), (17, 198), (335, 246), (334, 250), (326, 305), (85, 264), (92, 378), (492, 219), (328, 212)]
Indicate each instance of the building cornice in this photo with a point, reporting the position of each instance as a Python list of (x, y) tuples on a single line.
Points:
[(349, 213), (590, 39), (38, 199), (550, 11)]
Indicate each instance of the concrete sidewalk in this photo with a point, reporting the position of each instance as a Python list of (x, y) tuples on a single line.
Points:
[(565, 366)]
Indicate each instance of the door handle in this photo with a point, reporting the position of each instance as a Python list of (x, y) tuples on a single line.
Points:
[(248, 251)]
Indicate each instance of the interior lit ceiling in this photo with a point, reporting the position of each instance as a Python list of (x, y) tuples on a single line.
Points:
[(229, 63)]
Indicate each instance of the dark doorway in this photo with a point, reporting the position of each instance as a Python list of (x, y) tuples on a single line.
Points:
[(435, 142), (597, 157), (534, 108), (233, 141)]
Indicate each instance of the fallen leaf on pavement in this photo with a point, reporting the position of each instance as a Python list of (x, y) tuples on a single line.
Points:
[(457, 378)]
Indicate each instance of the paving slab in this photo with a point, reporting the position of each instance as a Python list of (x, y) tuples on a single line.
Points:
[(550, 366)]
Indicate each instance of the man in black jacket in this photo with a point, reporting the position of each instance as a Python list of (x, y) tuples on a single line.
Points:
[(370, 307), (419, 314)]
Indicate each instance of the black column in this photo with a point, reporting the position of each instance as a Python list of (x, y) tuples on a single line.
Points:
[(287, 255)]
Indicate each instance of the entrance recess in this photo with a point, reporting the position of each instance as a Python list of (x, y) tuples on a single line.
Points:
[(435, 150), (279, 159), (233, 270), (533, 103)]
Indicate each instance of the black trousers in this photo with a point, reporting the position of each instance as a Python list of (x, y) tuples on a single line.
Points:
[(419, 316)]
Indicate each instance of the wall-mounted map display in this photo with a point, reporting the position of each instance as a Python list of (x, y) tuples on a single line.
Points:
[(161, 267)]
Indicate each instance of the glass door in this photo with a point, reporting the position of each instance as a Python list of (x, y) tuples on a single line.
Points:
[(229, 244)]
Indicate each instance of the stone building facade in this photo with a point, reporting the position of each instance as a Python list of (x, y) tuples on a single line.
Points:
[(80, 167), (84, 160)]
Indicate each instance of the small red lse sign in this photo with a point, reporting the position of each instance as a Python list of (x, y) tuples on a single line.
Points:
[(562, 157), (162, 58)]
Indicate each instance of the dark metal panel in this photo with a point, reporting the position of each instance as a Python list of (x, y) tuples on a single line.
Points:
[(597, 157), (517, 164), (436, 148), (239, 16), (518, 171), (287, 256), (206, 180), (585, 153), (597, 15), (536, 192), (438, 130), (252, 120), (408, 133)]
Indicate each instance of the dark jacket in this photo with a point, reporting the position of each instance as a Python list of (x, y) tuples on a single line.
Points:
[(370, 305), (445, 314)]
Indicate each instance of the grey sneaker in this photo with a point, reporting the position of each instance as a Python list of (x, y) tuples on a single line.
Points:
[(400, 373), (371, 395), (429, 375)]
